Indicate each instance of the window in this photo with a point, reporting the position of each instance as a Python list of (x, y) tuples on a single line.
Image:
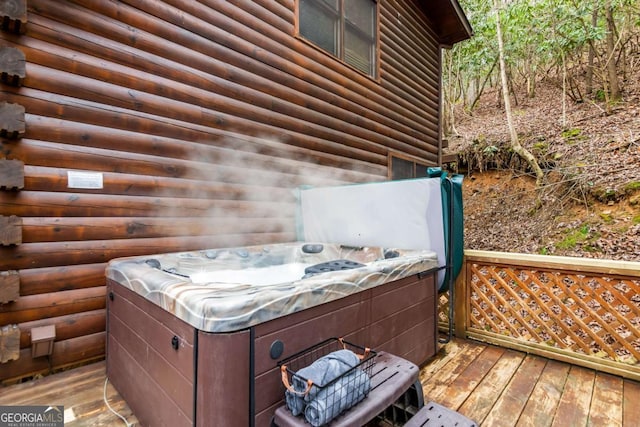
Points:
[(344, 28), (405, 168)]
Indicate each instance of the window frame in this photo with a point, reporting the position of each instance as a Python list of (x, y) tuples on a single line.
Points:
[(416, 162), (343, 23)]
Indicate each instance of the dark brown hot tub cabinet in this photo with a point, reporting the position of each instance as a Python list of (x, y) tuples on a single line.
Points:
[(172, 374)]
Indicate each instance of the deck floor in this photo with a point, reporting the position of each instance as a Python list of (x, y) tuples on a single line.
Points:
[(493, 386), (499, 387)]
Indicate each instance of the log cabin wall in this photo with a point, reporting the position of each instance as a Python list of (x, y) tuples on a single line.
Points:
[(199, 118)]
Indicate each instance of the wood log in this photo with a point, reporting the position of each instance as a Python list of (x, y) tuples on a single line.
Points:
[(66, 353), (40, 255), (33, 203), (9, 286), (230, 136), (56, 180), (13, 14), (68, 326), (274, 157), (169, 14), (12, 124), (89, 111), (9, 343), (280, 45), (271, 154), (409, 91), (269, 12), (10, 230), (11, 174), (231, 175), (78, 110), (35, 281), (36, 307), (400, 77), (303, 87), (58, 229), (12, 66), (220, 112), (413, 25)]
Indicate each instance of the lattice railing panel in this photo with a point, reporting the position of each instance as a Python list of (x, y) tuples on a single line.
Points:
[(592, 314), (443, 310)]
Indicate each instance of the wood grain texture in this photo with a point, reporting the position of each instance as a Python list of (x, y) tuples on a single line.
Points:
[(573, 407), (202, 119), (545, 396), (607, 401), (66, 353), (12, 66), (81, 389), (11, 174), (12, 123), (10, 230), (9, 286), (481, 401), (468, 380), (517, 393), (13, 16)]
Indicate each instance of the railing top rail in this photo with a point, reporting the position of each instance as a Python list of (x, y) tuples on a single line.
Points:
[(581, 265)]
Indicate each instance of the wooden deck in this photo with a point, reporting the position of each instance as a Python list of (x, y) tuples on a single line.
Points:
[(499, 387), (80, 390), (494, 386)]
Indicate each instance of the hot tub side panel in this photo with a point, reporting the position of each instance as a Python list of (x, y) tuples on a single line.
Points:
[(404, 318), (223, 386), (150, 359), (398, 317), (347, 317)]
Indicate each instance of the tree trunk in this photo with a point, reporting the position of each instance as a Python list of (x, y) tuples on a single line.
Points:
[(515, 143), (531, 77), (479, 87), (448, 98), (564, 92), (614, 87), (592, 54)]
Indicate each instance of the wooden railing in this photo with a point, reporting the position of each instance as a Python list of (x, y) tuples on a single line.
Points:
[(577, 310)]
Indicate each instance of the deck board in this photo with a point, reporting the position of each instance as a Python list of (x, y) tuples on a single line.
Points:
[(455, 395), (546, 394), (606, 404), (631, 404), (491, 385), (515, 396), (79, 390), (478, 405), (438, 383), (573, 408)]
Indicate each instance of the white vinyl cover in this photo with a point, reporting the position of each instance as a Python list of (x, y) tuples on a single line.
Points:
[(404, 214)]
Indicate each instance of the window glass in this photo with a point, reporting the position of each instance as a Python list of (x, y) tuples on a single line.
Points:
[(421, 170), (319, 25), (362, 14), (405, 168), (358, 51), (401, 168), (344, 28)]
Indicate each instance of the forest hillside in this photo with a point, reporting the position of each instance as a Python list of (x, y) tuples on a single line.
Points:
[(593, 211), (586, 141)]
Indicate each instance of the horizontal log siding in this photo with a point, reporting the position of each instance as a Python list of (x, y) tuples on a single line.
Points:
[(203, 117)]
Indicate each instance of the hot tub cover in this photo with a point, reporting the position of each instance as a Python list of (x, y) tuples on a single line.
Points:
[(224, 290)]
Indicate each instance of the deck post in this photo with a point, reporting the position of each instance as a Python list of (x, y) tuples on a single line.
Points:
[(461, 303)]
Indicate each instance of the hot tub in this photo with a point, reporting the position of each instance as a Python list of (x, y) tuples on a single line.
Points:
[(194, 337)]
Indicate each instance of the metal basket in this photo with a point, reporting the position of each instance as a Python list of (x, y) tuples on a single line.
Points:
[(320, 403)]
